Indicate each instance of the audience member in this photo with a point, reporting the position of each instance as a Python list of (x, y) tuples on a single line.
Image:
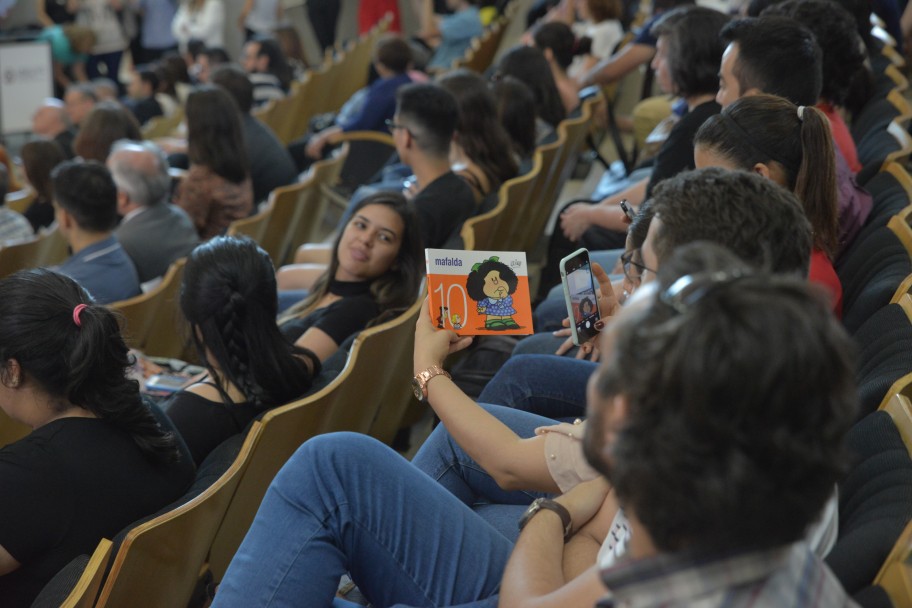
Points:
[(13, 226), (375, 271), (477, 153), (217, 188), (96, 460), (155, 37), (56, 12), (106, 123), (78, 101), (70, 47), (106, 89), (153, 232), (38, 161), (423, 127), (85, 199), (50, 121), (598, 29), (842, 59), (392, 59), (205, 63), (516, 112), (556, 41), (528, 65), (449, 35), (792, 146), (260, 17), (228, 297), (779, 56), (290, 42), (141, 95), (267, 69), (270, 164), (323, 16), (103, 17), (200, 20)]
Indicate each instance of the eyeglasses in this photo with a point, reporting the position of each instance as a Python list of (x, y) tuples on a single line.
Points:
[(634, 269), (690, 289), (392, 126)]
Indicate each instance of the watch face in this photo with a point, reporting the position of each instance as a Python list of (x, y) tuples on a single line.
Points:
[(416, 388)]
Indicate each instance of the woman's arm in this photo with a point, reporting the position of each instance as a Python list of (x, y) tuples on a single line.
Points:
[(8, 563), (613, 68), (578, 218), (514, 463), (318, 342), (42, 15)]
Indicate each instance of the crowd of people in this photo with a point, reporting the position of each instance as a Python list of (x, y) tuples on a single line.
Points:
[(664, 462)]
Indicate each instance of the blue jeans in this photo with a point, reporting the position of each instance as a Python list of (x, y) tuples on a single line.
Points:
[(547, 385), (451, 467), (346, 502)]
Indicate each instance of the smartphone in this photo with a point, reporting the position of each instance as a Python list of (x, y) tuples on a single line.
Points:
[(580, 294), (627, 209), (166, 383)]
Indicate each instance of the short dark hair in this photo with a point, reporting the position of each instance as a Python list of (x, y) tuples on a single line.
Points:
[(234, 80), (557, 36), (835, 31), (394, 53), (778, 56), (195, 46), (432, 113), (4, 184), (694, 47), (216, 54), (147, 74), (476, 278), (86, 190), (758, 220), (761, 420), (278, 64)]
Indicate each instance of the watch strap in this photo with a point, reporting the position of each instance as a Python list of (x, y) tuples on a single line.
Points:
[(554, 506), (425, 376)]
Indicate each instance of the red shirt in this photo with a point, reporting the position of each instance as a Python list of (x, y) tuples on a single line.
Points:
[(372, 11), (841, 136), (822, 273)]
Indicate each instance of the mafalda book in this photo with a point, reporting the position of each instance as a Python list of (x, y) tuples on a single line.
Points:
[(479, 293)]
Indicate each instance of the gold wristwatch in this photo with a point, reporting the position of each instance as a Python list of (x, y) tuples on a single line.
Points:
[(419, 382)]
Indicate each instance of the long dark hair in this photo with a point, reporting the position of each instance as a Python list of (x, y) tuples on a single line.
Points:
[(215, 138), (480, 134), (397, 289), (529, 65), (516, 110), (229, 299), (39, 158), (764, 128), (85, 365)]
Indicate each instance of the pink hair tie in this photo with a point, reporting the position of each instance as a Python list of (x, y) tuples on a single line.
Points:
[(76, 310)]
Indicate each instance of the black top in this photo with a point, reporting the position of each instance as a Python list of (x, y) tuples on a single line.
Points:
[(271, 165), (40, 213), (442, 206), (677, 153), (66, 486), (340, 319), (204, 424), (57, 11), (145, 109)]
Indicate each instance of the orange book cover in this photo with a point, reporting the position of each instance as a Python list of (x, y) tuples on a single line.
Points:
[(479, 293)]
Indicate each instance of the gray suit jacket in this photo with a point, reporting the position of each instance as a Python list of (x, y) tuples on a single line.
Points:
[(157, 237)]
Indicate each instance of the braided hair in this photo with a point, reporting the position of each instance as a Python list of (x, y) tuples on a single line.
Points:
[(229, 298), (77, 359)]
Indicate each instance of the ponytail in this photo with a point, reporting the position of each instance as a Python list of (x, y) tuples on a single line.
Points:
[(815, 183), (73, 349)]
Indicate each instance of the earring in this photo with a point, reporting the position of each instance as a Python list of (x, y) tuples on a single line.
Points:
[(14, 382)]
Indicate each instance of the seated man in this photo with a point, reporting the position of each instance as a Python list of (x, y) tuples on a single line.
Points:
[(141, 95), (449, 35), (153, 232), (346, 502), (270, 164), (13, 225), (85, 201), (51, 122), (267, 69)]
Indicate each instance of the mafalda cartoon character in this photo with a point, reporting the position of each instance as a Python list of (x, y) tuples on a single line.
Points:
[(491, 284)]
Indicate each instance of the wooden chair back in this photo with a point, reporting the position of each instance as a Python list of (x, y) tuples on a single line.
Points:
[(901, 225), (491, 230), (20, 200), (46, 249), (253, 226), (282, 430), (163, 126), (148, 313), (159, 561), (283, 206), (86, 590)]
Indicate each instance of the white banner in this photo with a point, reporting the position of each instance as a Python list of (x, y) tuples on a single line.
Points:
[(26, 79)]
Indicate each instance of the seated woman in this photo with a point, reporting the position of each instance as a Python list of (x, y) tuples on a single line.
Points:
[(106, 123), (228, 297), (477, 152), (39, 158), (529, 66), (376, 266), (96, 459), (793, 147), (557, 42)]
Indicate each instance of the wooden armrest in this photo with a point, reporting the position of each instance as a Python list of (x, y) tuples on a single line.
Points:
[(375, 136)]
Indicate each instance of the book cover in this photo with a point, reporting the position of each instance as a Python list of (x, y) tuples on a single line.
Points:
[(479, 293)]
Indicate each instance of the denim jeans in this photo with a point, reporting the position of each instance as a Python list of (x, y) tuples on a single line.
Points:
[(547, 385), (346, 502), (451, 467)]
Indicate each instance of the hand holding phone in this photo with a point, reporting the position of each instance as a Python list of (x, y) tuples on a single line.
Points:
[(580, 295), (627, 209)]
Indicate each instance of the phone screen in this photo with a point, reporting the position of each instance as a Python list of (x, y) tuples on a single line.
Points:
[(580, 291)]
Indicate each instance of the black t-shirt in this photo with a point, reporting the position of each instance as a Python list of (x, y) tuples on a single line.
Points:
[(40, 214), (442, 206), (340, 319), (677, 153), (66, 486), (204, 424)]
